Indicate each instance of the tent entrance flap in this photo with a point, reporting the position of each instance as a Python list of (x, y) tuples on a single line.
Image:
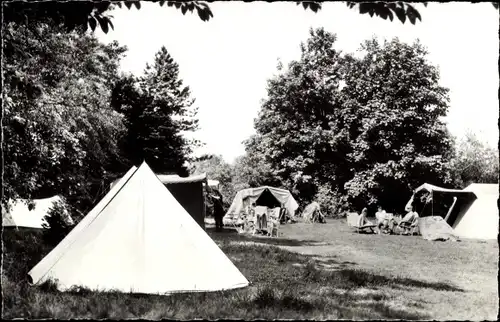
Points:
[(267, 199)]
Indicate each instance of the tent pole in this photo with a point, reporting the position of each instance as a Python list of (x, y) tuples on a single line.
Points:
[(432, 200), (451, 208)]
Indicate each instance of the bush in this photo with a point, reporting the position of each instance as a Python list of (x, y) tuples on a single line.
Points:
[(56, 225), (332, 204)]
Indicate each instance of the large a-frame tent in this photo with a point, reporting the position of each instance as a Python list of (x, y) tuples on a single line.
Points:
[(480, 220), (139, 239), (188, 191)]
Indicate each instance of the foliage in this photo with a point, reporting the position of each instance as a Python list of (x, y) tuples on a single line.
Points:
[(56, 223), (474, 162), (370, 127), (331, 202), (217, 169), (251, 170), (79, 15), (157, 112), (59, 131)]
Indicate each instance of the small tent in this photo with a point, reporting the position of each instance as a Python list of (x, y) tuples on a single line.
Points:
[(21, 214), (139, 239), (480, 220), (313, 212), (188, 191), (270, 197)]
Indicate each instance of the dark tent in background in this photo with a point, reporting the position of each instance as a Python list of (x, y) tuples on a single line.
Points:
[(189, 193)]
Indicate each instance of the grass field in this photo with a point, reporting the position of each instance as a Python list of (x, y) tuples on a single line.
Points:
[(314, 271)]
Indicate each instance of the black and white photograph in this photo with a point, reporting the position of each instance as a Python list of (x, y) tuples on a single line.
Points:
[(250, 160)]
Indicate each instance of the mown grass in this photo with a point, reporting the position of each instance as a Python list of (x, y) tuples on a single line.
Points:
[(285, 285)]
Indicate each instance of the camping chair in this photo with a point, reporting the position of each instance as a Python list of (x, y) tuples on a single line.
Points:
[(412, 225), (353, 221)]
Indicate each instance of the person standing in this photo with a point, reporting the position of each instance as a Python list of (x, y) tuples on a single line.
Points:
[(218, 212)]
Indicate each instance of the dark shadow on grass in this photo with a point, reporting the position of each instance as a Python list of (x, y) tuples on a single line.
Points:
[(349, 278), (346, 306), (233, 235)]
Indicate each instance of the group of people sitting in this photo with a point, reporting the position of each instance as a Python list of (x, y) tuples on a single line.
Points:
[(387, 222), (261, 219)]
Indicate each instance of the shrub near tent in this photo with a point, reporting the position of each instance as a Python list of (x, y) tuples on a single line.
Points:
[(138, 239)]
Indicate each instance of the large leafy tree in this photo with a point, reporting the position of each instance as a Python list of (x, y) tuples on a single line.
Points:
[(157, 110), (59, 131), (399, 139), (368, 128), (302, 100)]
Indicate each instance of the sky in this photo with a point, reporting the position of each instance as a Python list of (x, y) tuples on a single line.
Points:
[(226, 61)]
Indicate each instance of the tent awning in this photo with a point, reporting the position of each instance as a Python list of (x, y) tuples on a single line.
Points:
[(432, 188)]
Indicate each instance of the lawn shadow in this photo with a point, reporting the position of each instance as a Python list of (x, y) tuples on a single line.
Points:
[(346, 305), (343, 275), (229, 234)]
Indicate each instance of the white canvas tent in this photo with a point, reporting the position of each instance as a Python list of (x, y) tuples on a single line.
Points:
[(20, 215), (471, 212), (265, 196), (480, 220), (139, 239)]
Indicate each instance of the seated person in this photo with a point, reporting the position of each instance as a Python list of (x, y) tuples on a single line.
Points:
[(409, 221), (383, 220), (362, 218)]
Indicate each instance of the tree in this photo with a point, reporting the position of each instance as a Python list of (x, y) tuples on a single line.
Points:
[(474, 162), (56, 224), (217, 169), (368, 129), (79, 15), (59, 131), (301, 100), (399, 138), (157, 111), (251, 170)]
